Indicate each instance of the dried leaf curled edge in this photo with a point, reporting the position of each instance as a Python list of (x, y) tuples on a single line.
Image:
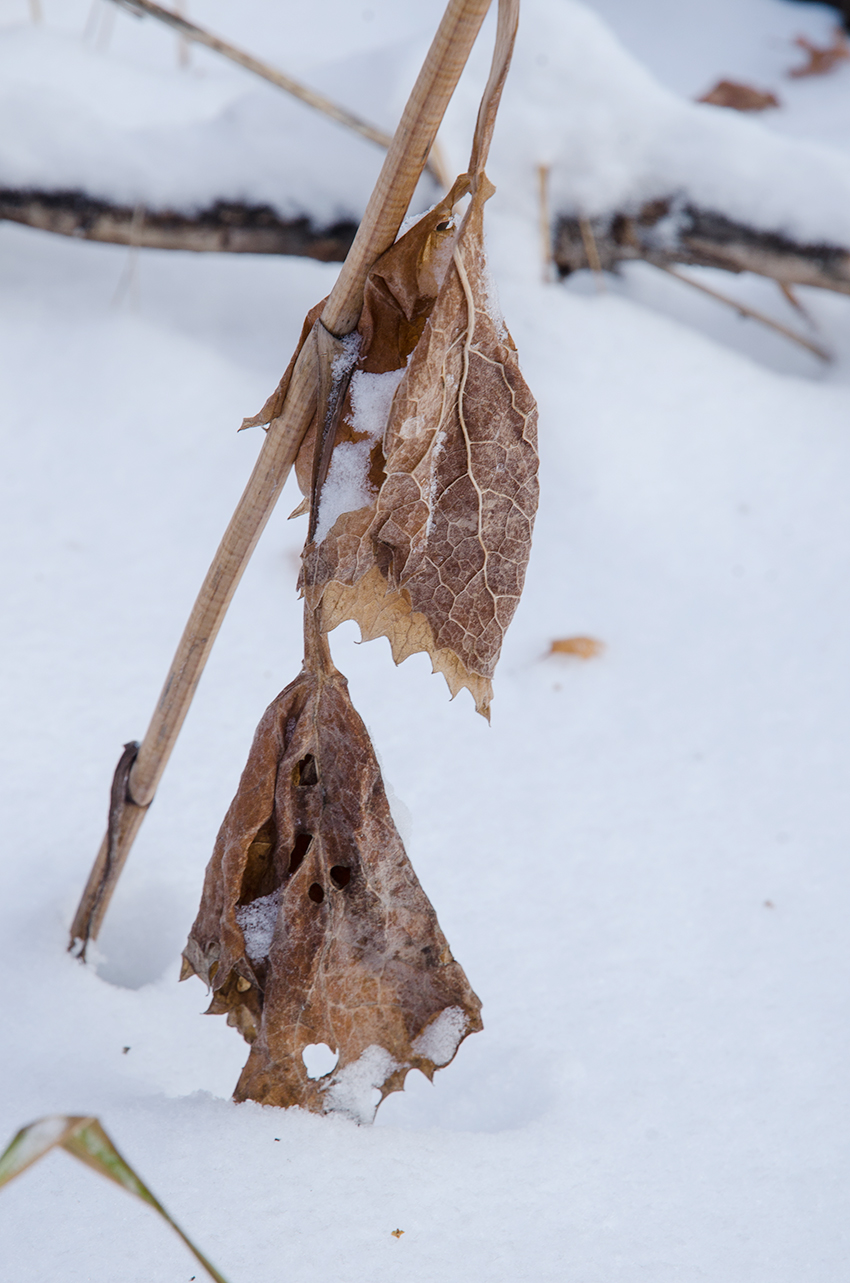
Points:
[(313, 927)]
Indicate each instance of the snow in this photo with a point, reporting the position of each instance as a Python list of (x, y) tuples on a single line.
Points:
[(355, 1092), (319, 1059), (72, 117), (257, 921), (641, 865), (347, 486), (613, 136), (439, 1040)]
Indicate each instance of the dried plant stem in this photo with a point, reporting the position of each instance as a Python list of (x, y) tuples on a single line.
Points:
[(183, 46), (791, 297), (387, 206), (191, 32), (744, 310), (590, 249), (545, 221), (413, 141)]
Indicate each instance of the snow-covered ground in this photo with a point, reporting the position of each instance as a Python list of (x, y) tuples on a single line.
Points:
[(642, 865)]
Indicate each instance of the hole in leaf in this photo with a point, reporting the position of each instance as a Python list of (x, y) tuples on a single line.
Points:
[(444, 227), (302, 845), (260, 877), (316, 893), (319, 1059), (306, 771), (340, 876)]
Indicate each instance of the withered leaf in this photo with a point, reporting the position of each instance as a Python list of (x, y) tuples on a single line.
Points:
[(582, 647), (731, 93), (820, 61), (313, 927), (431, 551)]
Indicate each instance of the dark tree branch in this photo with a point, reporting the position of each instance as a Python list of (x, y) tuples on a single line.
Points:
[(666, 232), (225, 226)]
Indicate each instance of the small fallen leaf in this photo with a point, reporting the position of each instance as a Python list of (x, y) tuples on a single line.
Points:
[(396, 1233), (582, 647), (85, 1139), (729, 93), (821, 61), (313, 927)]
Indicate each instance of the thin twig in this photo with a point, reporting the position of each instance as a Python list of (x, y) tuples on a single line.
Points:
[(129, 278), (543, 172), (791, 297), (199, 35), (386, 209), (183, 45), (744, 310), (589, 242)]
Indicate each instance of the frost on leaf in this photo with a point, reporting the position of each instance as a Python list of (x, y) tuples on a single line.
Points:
[(432, 552), (313, 927)]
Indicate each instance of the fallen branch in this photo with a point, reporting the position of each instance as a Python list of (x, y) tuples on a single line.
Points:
[(668, 232), (227, 226)]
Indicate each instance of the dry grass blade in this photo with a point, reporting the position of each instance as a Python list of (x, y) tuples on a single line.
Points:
[(86, 1140)]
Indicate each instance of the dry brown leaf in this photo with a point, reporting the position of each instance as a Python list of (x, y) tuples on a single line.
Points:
[(434, 557), (820, 61), (313, 927), (730, 93), (583, 647)]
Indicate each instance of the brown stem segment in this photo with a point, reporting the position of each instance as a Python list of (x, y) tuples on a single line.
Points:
[(387, 206)]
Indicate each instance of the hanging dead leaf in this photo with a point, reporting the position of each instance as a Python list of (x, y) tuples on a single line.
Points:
[(424, 521), (582, 647), (821, 61), (730, 93), (313, 927)]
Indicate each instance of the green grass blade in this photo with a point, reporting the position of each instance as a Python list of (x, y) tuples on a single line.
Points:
[(86, 1140), (34, 1141)]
